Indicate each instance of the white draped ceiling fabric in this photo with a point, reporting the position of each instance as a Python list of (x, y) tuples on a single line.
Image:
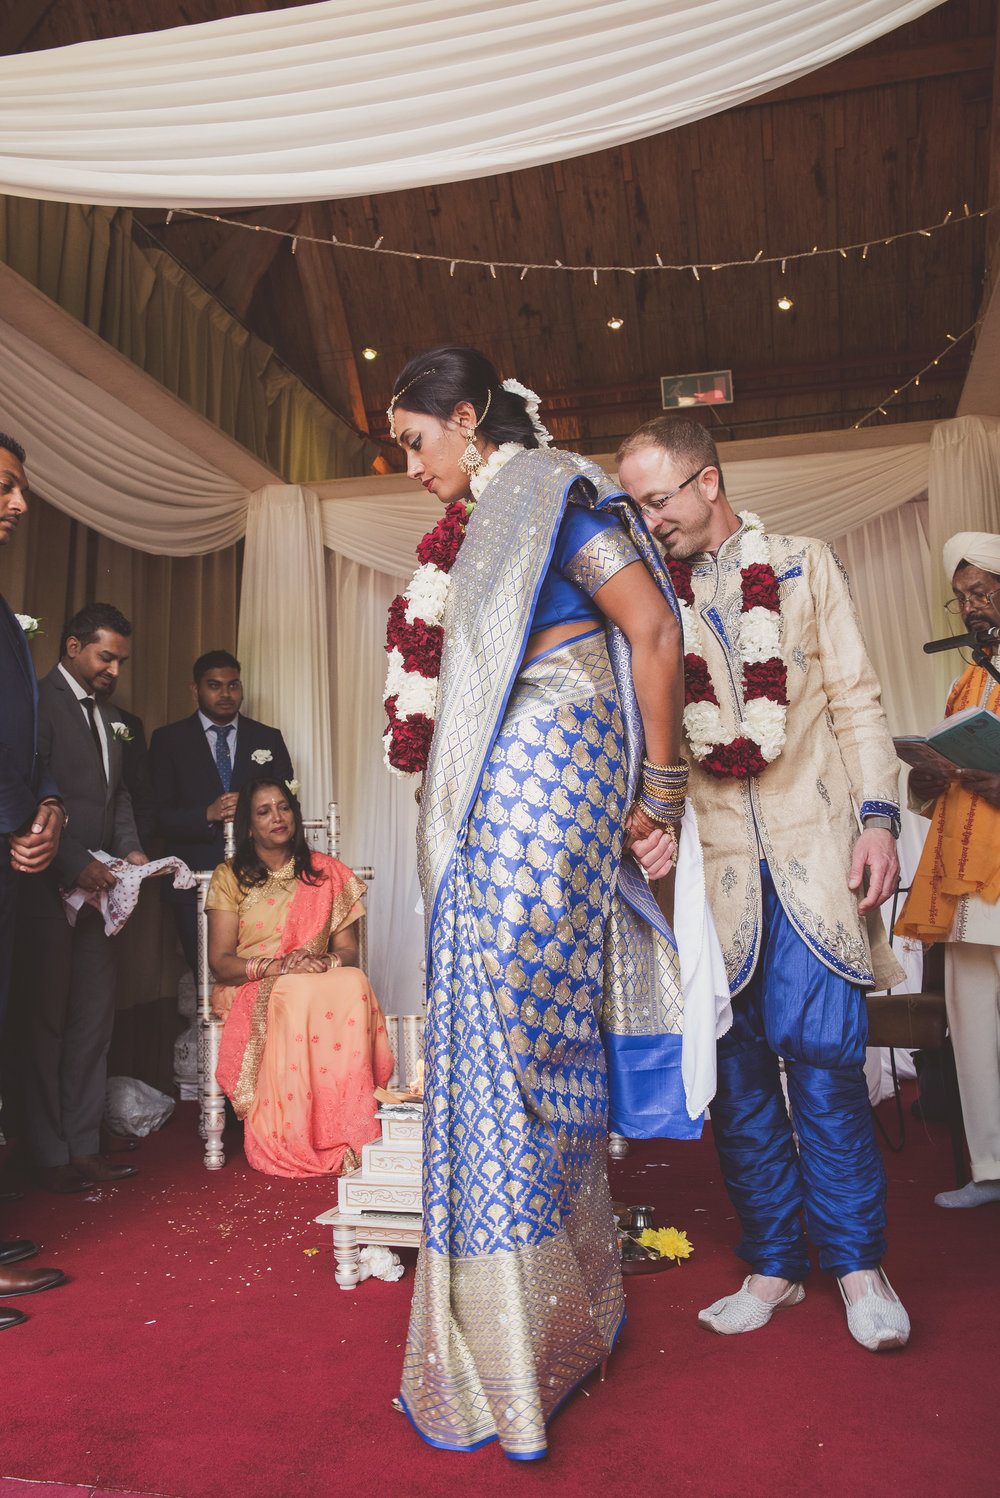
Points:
[(312, 633), (334, 101)]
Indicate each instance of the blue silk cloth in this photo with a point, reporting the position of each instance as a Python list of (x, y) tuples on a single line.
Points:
[(531, 774), (795, 1007)]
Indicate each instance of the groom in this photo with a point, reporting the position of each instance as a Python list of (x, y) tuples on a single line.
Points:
[(198, 766), (785, 741)]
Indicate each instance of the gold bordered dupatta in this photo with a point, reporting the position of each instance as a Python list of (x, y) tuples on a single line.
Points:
[(491, 602)]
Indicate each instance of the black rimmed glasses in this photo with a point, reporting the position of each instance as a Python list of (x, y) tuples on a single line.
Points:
[(656, 505)]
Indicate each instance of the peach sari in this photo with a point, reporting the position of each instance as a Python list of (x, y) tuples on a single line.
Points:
[(301, 1055)]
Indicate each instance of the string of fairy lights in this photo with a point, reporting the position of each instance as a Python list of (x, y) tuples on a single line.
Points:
[(696, 268), (954, 339), (862, 247)]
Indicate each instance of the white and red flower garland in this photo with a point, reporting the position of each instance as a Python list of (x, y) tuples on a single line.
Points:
[(760, 736), (415, 634)]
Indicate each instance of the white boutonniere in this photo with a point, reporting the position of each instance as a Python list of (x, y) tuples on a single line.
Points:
[(293, 787), (262, 756), (29, 624), (121, 733)]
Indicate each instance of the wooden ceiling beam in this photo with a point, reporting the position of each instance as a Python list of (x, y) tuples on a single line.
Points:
[(972, 54), (329, 327), (981, 391)]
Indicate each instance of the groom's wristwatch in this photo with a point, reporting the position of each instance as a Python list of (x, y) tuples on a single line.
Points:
[(889, 823)]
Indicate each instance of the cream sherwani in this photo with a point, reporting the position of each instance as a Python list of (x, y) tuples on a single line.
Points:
[(838, 764)]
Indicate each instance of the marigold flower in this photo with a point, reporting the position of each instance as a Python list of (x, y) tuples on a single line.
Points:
[(670, 1243)]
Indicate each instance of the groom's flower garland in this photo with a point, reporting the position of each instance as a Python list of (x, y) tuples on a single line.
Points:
[(415, 633), (765, 699)]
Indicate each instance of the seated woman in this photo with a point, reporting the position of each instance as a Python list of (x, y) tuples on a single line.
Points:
[(304, 1044)]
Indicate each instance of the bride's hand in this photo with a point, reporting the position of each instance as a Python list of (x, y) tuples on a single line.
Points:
[(655, 849)]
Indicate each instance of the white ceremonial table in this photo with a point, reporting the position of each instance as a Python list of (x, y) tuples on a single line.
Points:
[(380, 1202)]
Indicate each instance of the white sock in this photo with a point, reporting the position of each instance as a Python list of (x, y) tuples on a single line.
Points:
[(973, 1194)]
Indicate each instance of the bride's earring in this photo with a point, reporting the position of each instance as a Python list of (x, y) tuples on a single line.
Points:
[(472, 459)]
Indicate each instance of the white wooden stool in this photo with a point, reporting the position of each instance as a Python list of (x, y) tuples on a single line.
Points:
[(381, 1202)]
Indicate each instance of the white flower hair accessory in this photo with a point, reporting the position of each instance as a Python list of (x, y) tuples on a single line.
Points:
[(120, 732), (262, 756), (531, 403), (293, 787)]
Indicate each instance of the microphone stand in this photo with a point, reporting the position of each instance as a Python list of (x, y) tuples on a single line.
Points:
[(982, 659)]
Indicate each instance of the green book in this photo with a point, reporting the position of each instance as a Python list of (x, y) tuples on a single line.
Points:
[(969, 739)]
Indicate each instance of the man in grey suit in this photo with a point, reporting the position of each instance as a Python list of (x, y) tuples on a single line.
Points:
[(71, 969)]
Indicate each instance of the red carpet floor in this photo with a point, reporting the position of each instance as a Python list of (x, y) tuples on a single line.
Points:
[(204, 1350)]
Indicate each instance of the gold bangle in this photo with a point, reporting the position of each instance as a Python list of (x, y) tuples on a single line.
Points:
[(681, 765)]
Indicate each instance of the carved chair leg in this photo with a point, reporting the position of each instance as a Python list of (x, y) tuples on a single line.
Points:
[(211, 1098), (346, 1256)]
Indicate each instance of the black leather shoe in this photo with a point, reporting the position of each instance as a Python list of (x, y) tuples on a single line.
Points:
[(62, 1179), (97, 1168), (16, 1250), (29, 1281), (10, 1317)]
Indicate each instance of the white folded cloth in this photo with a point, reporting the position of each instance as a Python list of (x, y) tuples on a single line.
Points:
[(117, 903), (707, 1009)]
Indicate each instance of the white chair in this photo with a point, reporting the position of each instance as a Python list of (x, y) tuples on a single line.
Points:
[(211, 1098)]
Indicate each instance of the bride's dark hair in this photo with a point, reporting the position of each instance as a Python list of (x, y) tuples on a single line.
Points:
[(435, 382)]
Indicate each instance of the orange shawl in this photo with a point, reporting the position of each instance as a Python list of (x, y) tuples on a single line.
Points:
[(962, 852)]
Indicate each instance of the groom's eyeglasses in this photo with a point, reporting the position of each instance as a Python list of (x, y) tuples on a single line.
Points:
[(656, 505)]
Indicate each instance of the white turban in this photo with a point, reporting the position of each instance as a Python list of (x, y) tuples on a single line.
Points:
[(978, 547)]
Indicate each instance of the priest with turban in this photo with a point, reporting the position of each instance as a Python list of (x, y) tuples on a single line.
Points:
[(955, 896)]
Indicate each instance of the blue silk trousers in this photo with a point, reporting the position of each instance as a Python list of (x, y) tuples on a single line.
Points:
[(795, 1007)]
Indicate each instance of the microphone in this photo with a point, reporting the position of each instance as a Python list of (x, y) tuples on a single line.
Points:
[(976, 639)]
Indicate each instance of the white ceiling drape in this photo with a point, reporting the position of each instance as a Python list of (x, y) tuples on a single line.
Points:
[(106, 465), (334, 100)]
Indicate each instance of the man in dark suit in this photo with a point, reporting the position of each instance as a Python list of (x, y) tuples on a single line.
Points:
[(71, 969), (198, 767), (31, 820)]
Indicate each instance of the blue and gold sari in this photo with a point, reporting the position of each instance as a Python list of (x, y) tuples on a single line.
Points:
[(539, 934)]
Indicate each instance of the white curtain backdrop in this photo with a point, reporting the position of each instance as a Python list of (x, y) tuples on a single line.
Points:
[(890, 565), (332, 101), (827, 494), (378, 811), (284, 637)]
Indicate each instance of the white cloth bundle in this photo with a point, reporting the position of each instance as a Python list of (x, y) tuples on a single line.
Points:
[(117, 903)]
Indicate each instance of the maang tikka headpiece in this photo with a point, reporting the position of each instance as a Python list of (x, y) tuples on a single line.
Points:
[(391, 408)]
